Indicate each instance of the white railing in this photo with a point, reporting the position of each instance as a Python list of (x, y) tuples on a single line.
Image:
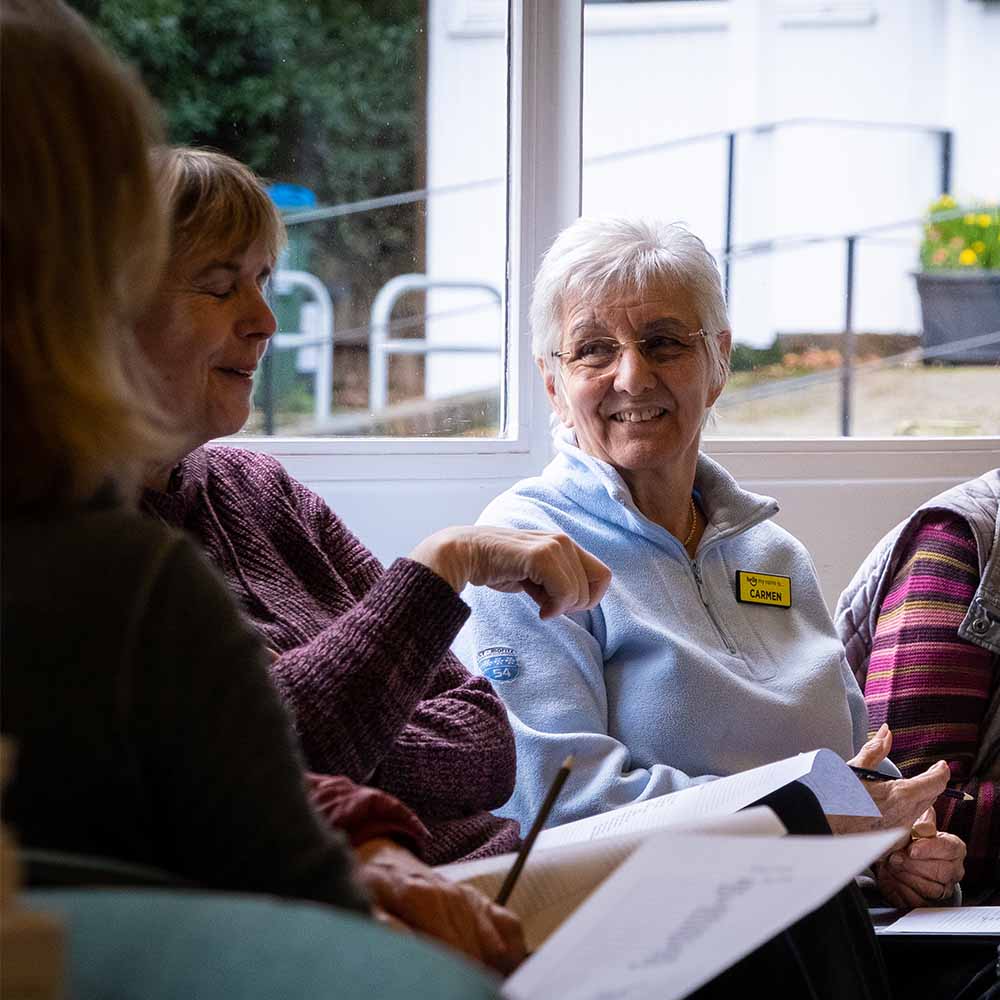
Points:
[(381, 344), (314, 339)]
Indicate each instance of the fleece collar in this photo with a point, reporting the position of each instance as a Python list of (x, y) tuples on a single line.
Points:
[(591, 483)]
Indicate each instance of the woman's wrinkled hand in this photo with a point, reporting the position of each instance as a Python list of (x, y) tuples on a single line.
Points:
[(408, 894), (924, 872), (903, 801), (553, 570)]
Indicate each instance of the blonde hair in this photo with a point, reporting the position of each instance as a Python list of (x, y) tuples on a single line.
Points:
[(215, 204), (83, 243)]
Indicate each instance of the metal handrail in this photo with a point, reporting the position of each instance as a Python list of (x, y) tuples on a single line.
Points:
[(730, 136), (814, 239), (380, 345), (850, 240), (761, 128), (317, 314), (322, 213)]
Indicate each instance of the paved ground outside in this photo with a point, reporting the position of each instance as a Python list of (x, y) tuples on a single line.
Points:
[(909, 400)]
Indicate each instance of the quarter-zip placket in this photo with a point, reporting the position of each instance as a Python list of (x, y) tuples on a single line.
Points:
[(700, 583)]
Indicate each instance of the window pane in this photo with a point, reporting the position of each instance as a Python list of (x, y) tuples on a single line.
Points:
[(775, 131), (382, 128)]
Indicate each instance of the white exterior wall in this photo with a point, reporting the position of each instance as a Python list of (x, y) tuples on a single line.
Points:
[(973, 47), (466, 141), (660, 71)]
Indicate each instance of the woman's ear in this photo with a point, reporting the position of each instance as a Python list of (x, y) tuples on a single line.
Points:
[(725, 349), (555, 396)]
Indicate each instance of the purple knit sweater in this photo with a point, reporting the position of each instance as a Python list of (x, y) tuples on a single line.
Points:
[(363, 663)]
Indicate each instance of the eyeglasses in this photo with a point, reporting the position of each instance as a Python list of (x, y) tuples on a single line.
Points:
[(601, 355)]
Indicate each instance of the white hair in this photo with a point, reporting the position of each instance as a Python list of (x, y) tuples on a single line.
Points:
[(595, 258)]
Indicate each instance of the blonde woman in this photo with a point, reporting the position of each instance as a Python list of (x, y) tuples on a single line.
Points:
[(127, 670)]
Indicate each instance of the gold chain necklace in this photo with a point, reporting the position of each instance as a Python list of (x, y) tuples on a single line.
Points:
[(694, 524)]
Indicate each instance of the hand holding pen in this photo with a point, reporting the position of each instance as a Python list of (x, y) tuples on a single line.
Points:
[(924, 869), (901, 801), (866, 774)]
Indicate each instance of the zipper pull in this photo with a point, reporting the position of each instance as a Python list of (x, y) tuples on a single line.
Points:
[(696, 572)]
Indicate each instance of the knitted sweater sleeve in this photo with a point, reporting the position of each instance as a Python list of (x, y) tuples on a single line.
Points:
[(377, 696), (364, 813), (932, 687)]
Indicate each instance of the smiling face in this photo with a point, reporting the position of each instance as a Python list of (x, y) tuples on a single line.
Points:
[(205, 334), (637, 416)]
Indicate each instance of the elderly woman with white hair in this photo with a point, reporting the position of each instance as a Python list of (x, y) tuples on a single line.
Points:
[(712, 651)]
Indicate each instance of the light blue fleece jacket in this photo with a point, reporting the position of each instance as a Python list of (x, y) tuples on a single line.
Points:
[(670, 680)]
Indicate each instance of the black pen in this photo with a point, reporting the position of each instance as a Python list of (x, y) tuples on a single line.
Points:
[(536, 828), (866, 774)]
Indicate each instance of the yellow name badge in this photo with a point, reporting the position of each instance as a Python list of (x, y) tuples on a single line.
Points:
[(763, 588)]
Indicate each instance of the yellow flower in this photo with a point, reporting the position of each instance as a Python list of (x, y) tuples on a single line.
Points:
[(979, 246), (967, 257), (969, 218), (947, 201), (983, 220)]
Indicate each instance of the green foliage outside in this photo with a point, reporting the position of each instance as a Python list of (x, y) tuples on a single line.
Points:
[(961, 237), (323, 93), (745, 358)]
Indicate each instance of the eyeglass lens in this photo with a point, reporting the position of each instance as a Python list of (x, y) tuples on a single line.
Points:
[(600, 353)]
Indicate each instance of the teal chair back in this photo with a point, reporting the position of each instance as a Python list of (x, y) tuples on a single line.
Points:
[(153, 944)]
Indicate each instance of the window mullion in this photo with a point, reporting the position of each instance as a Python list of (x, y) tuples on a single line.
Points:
[(546, 177)]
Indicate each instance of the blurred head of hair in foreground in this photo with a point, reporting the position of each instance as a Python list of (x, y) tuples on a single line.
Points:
[(83, 244)]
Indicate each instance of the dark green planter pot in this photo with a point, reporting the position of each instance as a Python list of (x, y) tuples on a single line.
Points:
[(957, 305)]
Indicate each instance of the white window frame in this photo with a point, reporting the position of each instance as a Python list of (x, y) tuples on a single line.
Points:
[(545, 145), (545, 67)]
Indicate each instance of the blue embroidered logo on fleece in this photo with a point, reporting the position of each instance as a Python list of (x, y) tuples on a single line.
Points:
[(498, 663)]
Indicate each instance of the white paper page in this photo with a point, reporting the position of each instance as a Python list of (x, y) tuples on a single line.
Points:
[(950, 920), (685, 907), (559, 881), (556, 881), (838, 790)]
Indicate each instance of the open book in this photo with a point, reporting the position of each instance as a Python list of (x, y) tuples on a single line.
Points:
[(665, 862), (568, 862)]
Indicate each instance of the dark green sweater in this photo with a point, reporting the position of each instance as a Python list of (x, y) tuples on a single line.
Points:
[(146, 726)]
